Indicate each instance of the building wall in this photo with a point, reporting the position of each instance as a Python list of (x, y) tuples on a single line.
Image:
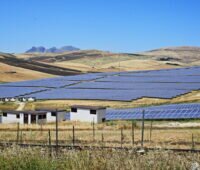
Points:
[(101, 114), (11, 118), (61, 117), (85, 116)]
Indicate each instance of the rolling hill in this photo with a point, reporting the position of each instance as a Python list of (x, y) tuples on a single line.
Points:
[(48, 63), (95, 60)]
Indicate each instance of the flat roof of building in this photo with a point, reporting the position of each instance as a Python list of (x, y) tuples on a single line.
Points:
[(25, 112), (88, 107), (51, 110)]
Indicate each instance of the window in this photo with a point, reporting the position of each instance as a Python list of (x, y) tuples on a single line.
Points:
[(5, 114), (42, 116), (73, 109), (93, 112), (17, 116), (103, 119), (53, 113)]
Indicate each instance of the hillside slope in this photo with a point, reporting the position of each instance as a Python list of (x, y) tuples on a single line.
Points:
[(95, 60), (76, 62), (11, 73), (184, 54), (13, 69)]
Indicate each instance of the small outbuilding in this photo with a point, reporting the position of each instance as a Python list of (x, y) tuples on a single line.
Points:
[(83, 113), (30, 117)]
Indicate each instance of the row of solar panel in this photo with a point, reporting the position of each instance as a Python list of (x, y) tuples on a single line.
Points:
[(175, 107), (53, 82), (17, 91), (165, 72), (153, 115), (130, 90), (103, 94), (170, 111), (127, 85), (149, 79)]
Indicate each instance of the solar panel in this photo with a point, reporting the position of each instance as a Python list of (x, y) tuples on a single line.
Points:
[(17, 91), (124, 86), (150, 79), (39, 83), (128, 85), (175, 111), (102, 94)]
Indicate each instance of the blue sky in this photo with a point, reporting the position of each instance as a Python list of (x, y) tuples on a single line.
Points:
[(113, 25)]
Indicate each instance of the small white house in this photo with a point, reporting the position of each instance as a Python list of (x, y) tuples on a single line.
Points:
[(31, 99), (12, 99), (22, 99), (6, 99), (94, 114), (30, 117)]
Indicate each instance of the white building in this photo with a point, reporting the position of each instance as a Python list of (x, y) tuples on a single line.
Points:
[(94, 114), (30, 117)]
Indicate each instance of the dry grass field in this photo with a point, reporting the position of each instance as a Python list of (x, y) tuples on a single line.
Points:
[(103, 61), (37, 158), (162, 135), (12, 73)]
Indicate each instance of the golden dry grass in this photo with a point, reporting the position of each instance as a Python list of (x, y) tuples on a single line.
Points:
[(8, 106), (111, 131), (21, 74)]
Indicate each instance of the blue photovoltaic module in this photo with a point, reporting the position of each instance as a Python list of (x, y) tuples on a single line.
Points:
[(119, 86)]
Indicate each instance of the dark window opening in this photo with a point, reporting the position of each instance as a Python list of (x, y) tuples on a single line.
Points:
[(33, 118), (93, 112), (103, 119), (17, 116), (73, 109), (5, 114), (42, 116), (53, 113)]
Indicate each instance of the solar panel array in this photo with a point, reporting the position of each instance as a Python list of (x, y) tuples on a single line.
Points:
[(17, 91), (103, 94), (124, 86), (163, 112), (174, 111), (127, 85)]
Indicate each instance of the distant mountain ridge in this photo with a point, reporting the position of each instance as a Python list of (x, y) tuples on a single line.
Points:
[(42, 49)]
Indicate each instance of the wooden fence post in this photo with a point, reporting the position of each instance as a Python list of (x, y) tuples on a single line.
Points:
[(50, 148), (133, 134), (142, 135), (150, 131), (193, 144), (41, 128), (122, 137), (73, 136), (49, 132), (21, 137), (56, 132), (17, 133), (93, 129)]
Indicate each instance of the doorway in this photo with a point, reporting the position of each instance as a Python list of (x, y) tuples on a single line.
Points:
[(25, 118)]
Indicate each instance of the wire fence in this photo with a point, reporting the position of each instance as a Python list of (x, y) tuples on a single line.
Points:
[(134, 136)]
